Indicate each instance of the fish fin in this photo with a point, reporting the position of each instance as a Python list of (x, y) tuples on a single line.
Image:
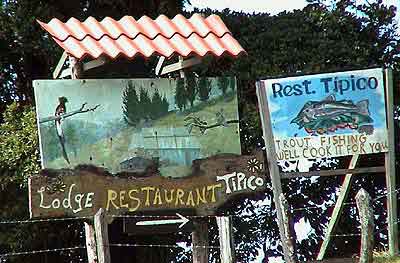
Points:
[(330, 98), (362, 107)]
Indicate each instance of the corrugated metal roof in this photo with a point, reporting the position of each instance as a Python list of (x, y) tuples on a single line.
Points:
[(162, 36)]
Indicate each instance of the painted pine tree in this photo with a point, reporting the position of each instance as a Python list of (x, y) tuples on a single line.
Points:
[(204, 87), (130, 105), (156, 110), (191, 88), (223, 84), (180, 96)]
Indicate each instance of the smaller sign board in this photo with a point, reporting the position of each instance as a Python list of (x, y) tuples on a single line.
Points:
[(83, 191), (327, 115)]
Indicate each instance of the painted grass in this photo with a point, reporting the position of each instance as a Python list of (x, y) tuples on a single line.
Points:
[(110, 154), (383, 257)]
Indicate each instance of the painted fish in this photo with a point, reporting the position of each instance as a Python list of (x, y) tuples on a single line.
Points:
[(330, 115)]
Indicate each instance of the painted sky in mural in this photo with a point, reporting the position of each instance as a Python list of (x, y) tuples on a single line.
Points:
[(335, 114), (136, 125)]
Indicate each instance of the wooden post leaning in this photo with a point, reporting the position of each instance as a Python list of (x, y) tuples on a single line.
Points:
[(337, 210), (366, 215)]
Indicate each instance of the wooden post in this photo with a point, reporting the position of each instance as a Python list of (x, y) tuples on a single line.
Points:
[(226, 241), (288, 226), (367, 226), (390, 169), (101, 229), (272, 162), (90, 243), (90, 231), (200, 241), (344, 190)]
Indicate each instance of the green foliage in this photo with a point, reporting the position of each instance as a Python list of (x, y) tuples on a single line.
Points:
[(223, 84), (191, 87), (145, 103), (164, 105), (130, 103), (232, 83), (180, 96), (159, 106), (19, 147), (204, 88), (135, 109)]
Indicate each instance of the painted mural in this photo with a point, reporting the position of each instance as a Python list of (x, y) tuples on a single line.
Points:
[(138, 125), (333, 114)]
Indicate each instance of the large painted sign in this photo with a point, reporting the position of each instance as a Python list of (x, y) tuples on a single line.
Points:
[(148, 126), (84, 190), (327, 115)]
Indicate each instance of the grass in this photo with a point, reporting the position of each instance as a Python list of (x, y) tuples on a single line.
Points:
[(110, 154), (383, 257)]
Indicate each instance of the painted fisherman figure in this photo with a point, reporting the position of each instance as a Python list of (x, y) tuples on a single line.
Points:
[(61, 110)]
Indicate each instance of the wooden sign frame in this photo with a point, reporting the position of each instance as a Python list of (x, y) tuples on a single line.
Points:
[(389, 171), (96, 230)]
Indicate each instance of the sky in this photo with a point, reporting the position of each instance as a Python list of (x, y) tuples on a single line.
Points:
[(273, 7)]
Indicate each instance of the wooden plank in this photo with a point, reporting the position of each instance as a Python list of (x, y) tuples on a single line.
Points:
[(101, 229), (344, 190), (214, 181), (90, 243), (226, 241), (363, 170), (289, 227), (200, 241), (272, 162), (94, 63), (60, 65), (390, 159), (366, 216), (160, 64), (180, 65)]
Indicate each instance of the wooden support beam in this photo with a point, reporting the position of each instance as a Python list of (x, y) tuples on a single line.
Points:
[(272, 162), (90, 243), (344, 190), (200, 241), (363, 170), (366, 216), (390, 159), (226, 241), (94, 63), (60, 65), (101, 229), (290, 240), (182, 64), (160, 64)]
